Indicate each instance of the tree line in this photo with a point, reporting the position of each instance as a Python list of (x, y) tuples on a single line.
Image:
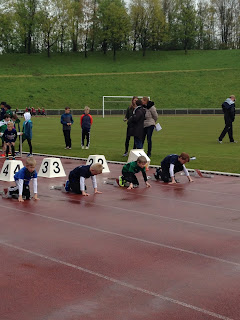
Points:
[(35, 26)]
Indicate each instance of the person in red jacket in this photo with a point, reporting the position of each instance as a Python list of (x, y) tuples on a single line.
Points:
[(86, 123)]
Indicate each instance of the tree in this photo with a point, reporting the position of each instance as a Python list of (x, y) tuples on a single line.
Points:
[(205, 26), (156, 25), (26, 18), (7, 36), (225, 14), (184, 25), (114, 24), (49, 25), (137, 15), (90, 24)]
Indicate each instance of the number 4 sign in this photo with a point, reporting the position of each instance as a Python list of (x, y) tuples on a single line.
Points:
[(51, 168), (10, 167)]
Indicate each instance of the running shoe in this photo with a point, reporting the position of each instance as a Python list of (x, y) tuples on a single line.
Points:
[(67, 186)]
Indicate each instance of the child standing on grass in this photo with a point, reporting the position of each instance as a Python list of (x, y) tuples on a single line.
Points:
[(86, 123), (129, 171), (67, 121), (10, 136), (172, 164), (22, 179), (27, 131), (77, 176), (3, 127)]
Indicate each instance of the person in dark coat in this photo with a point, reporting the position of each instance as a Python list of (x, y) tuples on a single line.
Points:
[(67, 121), (136, 124), (228, 108), (128, 114)]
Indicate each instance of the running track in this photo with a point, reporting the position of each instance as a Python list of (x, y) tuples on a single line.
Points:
[(170, 252)]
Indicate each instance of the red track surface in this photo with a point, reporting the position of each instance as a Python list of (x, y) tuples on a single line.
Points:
[(170, 252)]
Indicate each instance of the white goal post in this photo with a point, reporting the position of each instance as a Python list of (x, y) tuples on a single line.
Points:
[(117, 100)]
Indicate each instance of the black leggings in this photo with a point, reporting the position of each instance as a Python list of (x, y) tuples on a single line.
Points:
[(29, 143), (127, 143), (67, 137), (85, 133), (14, 191), (13, 150), (130, 177)]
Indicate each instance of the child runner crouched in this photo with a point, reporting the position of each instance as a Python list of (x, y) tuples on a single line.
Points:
[(22, 179), (130, 169), (77, 176), (172, 164)]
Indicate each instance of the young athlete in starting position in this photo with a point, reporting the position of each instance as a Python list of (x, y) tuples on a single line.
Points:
[(172, 164), (129, 171), (77, 176), (22, 179)]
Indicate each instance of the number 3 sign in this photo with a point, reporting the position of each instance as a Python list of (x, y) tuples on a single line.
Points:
[(51, 168)]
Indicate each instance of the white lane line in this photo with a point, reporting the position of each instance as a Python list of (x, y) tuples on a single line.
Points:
[(157, 216), (119, 282), (162, 245), (200, 190)]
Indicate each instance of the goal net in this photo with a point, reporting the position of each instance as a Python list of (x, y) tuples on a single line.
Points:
[(116, 102)]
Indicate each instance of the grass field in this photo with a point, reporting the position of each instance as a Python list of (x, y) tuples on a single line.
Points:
[(201, 79), (196, 135)]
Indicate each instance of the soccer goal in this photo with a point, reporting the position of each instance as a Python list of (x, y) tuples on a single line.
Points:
[(116, 102)]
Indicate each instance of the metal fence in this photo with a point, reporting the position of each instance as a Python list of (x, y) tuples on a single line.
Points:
[(123, 111)]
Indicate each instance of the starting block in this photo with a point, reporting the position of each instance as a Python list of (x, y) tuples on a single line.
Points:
[(198, 174), (51, 168), (10, 167), (135, 153), (96, 158)]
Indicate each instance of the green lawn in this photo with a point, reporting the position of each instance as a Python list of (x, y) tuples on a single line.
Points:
[(196, 135), (201, 79)]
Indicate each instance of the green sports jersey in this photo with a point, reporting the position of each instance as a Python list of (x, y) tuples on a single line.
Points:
[(133, 167)]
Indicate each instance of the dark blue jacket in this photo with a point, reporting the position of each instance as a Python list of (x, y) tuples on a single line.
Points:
[(171, 159), (66, 118), (10, 136), (81, 171)]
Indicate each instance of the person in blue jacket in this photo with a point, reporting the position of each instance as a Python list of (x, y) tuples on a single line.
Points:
[(67, 121), (22, 179)]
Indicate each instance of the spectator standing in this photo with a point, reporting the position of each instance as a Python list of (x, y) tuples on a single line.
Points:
[(27, 131), (33, 111), (136, 122), (86, 123), (8, 110), (67, 121), (3, 127), (10, 136), (149, 122), (128, 114), (228, 108), (3, 110)]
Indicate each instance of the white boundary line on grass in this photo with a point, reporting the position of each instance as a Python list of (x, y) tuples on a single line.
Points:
[(151, 166)]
